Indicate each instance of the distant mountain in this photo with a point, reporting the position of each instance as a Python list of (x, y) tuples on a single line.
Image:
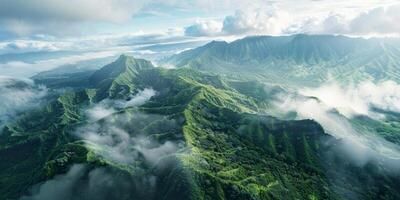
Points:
[(71, 75), (297, 59), (200, 136)]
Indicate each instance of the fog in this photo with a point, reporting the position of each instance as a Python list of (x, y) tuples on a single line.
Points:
[(17, 95), (358, 99), (85, 183), (119, 134), (333, 106), (107, 106), (113, 134)]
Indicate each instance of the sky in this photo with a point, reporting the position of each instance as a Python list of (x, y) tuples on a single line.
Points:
[(156, 28)]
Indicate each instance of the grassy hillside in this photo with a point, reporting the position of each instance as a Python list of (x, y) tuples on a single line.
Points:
[(306, 60), (199, 137)]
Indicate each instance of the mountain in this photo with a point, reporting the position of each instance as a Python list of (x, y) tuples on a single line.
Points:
[(197, 136), (307, 60), (71, 75)]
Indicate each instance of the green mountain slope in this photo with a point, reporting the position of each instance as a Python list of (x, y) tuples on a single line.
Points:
[(299, 59), (199, 137)]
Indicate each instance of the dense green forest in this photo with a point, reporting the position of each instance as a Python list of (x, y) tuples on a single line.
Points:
[(130, 130)]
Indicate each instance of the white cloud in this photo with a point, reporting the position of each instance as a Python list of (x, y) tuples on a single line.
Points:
[(258, 21), (108, 107), (379, 20), (332, 24), (70, 10), (99, 111), (111, 140), (86, 182), (63, 16), (140, 98), (61, 185), (21, 46), (204, 28), (276, 21), (358, 99), (249, 20), (17, 95), (361, 145), (23, 70), (254, 17), (376, 21)]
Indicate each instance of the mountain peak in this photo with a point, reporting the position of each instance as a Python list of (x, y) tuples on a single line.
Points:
[(124, 57), (124, 64)]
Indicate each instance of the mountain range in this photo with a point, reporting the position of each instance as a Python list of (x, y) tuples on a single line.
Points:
[(308, 60), (207, 129)]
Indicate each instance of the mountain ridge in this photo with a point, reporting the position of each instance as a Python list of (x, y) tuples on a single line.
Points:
[(297, 59), (226, 147)]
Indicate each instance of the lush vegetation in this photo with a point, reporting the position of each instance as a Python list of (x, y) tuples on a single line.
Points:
[(226, 147), (305, 60)]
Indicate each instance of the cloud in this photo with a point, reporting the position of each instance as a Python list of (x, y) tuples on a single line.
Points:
[(99, 111), (376, 21), (108, 107), (23, 70), (85, 182), (204, 28), (272, 20), (259, 21), (23, 46), (379, 20), (71, 10), (140, 98), (249, 20), (63, 17), (16, 96), (112, 141), (358, 99), (332, 24), (117, 138), (334, 108), (61, 186), (26, 17)]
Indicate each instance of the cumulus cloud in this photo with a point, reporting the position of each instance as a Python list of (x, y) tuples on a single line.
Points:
[(259, 21), (376, 21), (63, 16), (272, 21), (275, 21), (204, 28), (332, 24), (17, 95), (255, 17), (379, 20)]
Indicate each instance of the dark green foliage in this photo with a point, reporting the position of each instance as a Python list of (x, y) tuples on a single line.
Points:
[(228, 150)]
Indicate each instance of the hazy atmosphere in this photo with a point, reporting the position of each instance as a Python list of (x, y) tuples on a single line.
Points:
[(199, 99)]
